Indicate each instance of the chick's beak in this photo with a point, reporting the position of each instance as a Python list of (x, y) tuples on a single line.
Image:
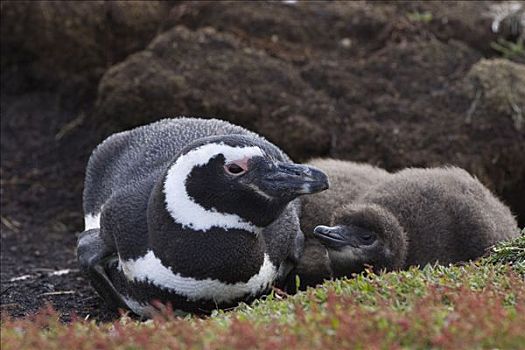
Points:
[(330, 234)]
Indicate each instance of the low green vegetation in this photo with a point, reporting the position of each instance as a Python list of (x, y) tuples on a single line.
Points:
[(511, 253), (508, 49), (476, 306), (416, 16)]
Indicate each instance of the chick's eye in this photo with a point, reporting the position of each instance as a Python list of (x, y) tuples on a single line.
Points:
[(234, 169), (367, 239)]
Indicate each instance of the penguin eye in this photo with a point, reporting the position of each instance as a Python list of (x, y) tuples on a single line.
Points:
[(234, 169), (367, 239)]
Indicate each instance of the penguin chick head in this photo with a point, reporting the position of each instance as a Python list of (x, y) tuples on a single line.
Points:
[(363, 235), (235, 182)]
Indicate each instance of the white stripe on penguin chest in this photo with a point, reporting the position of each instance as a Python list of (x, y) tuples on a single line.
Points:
[(149, 268), (183, 209)]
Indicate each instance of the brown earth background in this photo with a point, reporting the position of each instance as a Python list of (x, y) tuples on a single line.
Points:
[(394, 84)]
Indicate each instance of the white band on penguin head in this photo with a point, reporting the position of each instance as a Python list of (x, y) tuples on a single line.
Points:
[(183, 209)]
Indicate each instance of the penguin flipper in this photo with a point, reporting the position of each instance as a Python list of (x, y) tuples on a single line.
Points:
[(94, 256), (286, 277)]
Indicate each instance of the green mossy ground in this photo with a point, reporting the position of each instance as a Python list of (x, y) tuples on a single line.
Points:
[(477, 305)]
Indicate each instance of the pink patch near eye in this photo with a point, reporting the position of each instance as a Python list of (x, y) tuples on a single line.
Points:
[(237, 167), (243, 163)]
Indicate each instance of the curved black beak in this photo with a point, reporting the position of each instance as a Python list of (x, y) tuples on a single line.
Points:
[(288, 181), (332, 237)]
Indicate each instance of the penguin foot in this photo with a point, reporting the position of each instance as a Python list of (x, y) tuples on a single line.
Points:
[(94, 257)]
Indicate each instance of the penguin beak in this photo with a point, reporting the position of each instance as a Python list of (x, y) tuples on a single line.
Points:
[(288, 181), (332, 237)]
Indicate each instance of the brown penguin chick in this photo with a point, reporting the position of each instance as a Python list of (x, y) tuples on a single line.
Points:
[(347, 248), (363, 235), (412, 217)]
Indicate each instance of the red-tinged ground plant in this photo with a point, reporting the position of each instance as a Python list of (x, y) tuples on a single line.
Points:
[(484, 318), (437, 307)]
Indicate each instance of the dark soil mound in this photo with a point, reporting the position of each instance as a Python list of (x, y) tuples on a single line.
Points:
[(207, 73), (408, 99), (73, 43), (395, 84)]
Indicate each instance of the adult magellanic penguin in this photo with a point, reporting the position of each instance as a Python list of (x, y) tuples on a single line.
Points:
[(198, 213), (396, 220)]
